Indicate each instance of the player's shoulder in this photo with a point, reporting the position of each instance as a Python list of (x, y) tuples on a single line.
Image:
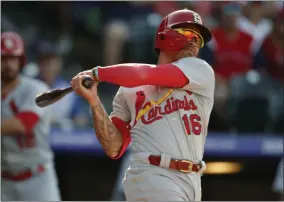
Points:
[(194, 62), (126, 90), (131, 94), (33, 84)]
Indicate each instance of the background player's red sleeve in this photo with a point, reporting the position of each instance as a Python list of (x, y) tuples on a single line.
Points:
[(123, 127), (132, 75), (29, 120)]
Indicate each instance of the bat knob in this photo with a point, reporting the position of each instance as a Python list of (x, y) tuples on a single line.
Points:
[(88, 82)]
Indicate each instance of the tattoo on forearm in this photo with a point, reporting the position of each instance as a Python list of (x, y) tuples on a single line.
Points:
[(106, 132)]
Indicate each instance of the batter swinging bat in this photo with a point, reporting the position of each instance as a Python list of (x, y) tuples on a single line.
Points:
[(50, 97)]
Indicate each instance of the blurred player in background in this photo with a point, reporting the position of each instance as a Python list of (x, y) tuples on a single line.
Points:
[(65, 113), (27, 169), (278, 181), (254, 22), (227, 64)]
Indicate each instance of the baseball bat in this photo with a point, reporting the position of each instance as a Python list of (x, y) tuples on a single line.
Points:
[(47, 98)]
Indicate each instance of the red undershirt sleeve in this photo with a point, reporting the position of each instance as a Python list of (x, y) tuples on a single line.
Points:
[(132, 75), (123, 127)]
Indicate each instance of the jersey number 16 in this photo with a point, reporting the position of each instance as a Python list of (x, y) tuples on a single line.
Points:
[(193, 121)]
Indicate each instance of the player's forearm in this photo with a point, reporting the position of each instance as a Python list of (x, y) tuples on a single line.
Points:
[(107, 133), (22, 124), (12, 126), (132, 75)]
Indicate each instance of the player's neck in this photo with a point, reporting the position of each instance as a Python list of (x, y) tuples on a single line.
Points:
[(8, 86), (165, 58)]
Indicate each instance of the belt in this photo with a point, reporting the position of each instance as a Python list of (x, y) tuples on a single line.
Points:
[(23, 175), (184, 166)]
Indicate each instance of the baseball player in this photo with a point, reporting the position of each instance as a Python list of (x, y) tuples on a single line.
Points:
[(278, 180), (163, 109), (27, 171)]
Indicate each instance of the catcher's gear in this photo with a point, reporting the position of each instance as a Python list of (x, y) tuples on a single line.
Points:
[(169, 39), (13, 45)]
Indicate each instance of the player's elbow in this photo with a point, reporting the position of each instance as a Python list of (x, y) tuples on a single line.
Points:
[(137, 79), (121, 140), (114, 155), (142, 75), (115, 151)]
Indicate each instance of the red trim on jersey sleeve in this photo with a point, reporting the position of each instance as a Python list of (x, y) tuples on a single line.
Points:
[(29, 120), (132, 75), (123, 127)]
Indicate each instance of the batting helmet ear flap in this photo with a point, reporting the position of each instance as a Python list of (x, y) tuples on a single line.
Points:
[(161, 35), (171, 40)]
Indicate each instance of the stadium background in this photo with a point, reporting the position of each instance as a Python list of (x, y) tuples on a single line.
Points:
[(245, 140)]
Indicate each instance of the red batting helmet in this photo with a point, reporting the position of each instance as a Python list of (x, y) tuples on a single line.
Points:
[(168, 39), (13, 45)]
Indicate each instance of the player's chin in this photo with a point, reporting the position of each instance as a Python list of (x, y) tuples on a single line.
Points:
[(191, 54)]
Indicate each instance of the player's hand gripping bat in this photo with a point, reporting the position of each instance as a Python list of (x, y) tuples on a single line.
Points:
[(50, 97)]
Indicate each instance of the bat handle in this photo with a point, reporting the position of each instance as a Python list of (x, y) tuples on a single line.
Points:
[(88, 82)]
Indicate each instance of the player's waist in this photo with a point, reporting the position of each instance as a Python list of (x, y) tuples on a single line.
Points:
[(166, 161), (21, 174), (16, 162)]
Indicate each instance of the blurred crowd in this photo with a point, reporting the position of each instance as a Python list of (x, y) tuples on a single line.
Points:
[(63, 38)]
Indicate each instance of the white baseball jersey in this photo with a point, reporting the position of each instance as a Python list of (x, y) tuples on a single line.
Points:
[(278, 180), (178, 126), (18, 151)]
